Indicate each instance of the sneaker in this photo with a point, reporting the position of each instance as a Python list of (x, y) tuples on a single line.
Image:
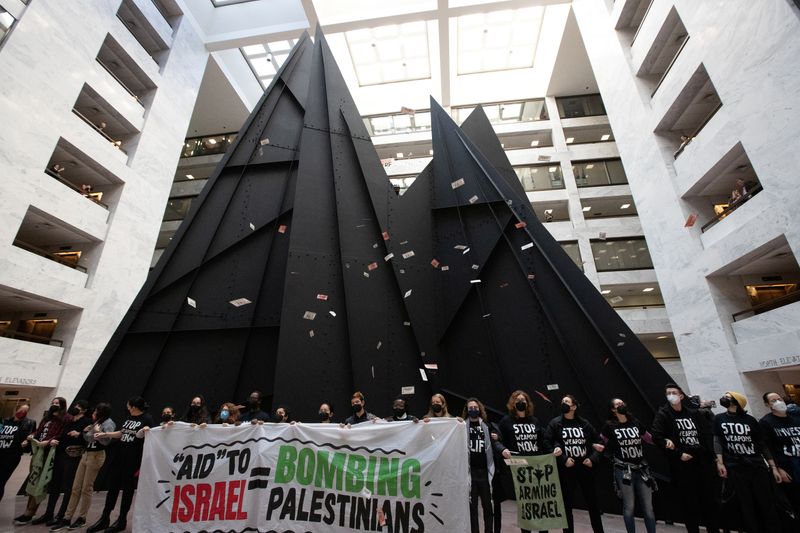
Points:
[(117, 526), (41, 520), (100, 525), (59, 525), (23, 519), (55, 521), (77, 523)]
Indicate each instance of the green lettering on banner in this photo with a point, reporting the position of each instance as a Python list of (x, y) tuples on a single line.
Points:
[(540, 505), (284, 470)]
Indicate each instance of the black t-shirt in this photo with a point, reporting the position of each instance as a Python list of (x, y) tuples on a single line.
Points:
[(576, 437), (522, 435), (477, 445), (624, 440), (13, 434), (74, 425), (131, 448), (783, 437), (740, 435), (688, 434)]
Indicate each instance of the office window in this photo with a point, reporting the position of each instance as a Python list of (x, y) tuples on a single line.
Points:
[(580, 106), (621, 254), (540, 177), (599, 172)]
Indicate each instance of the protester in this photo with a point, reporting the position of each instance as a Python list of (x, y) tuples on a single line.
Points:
[(71, 447), (400, 412), (167, 415), (47, 436), (358, 404), (91, 461), (252, 412), (782, 432), (624, 435), (12, 438), (741, 450), (685, 437), (228, 415), (282, 414), (579, 442), (124, 466), (520, 433), (197, 413), (481, 464), (438, 408), (325, 413)]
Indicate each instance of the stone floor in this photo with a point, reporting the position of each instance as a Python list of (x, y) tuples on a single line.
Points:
[(13, 505)]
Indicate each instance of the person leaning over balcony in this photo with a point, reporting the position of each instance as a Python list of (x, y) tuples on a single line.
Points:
[(741, 452), (684, 435), (783, 438), (92, 459)]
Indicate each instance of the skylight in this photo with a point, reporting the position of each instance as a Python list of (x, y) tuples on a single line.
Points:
[(388, 54), (498, 40), (266, 59)]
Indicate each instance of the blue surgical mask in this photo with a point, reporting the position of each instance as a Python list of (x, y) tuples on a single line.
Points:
[(224, 414)]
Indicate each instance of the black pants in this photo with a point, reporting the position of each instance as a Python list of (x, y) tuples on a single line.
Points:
[(122, 478), (698, 485), (480, 491), (8, 463), (64, 468), (754, 498), (583, 477)]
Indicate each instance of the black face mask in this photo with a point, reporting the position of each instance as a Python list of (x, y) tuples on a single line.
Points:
[(166, 417), (436, 408), (622, 410), (725, 402), (54, 409), (74, 411), (357, 407), (565, 407), (521, 406), (194, 408), (253, 404), (398, 413), (324, 416)]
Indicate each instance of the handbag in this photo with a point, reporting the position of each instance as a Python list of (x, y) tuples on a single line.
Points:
[(74, 451)]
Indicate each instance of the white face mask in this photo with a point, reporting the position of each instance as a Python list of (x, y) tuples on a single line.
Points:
[(674, 399), (779, 405)]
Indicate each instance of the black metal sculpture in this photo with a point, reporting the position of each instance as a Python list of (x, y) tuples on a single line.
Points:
[(299, 271)]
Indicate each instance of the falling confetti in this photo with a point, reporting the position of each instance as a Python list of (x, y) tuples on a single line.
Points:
[(264, 142), (373, 371), (544, 397), (385, 235), (309, 315), (605, 362), (465, 251), (323, 297), (458, 183), (404, 242), (423, 374), (473, 199), (474, 281), (375, 245), (191, 302), (503, 285), (602, 235), (402, 271), (372, 266), (432, 366), (531, 276), (621, 343), (475, 267), (252, 226), (406, 323), (526, 246), (332, 313), (487, 315), (434, 263), (520, 225), (311, 333), (408, 293), (282, 228), (552, 386), (407, 390), (366, 274), (378, 346), (408, 254), (459, 247), (240, 302), (445, 268), (388, 256)]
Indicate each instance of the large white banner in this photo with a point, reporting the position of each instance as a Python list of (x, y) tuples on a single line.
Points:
[(393, 477)]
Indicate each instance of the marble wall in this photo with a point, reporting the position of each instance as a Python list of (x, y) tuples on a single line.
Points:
[(749, 50), (43, 67)]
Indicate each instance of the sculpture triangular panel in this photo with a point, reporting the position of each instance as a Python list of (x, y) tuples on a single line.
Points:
[(299, 271)]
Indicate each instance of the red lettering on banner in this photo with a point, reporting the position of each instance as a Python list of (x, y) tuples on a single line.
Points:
[(203, 503)]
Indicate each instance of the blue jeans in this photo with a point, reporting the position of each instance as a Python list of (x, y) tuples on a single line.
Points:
[(635, 488)]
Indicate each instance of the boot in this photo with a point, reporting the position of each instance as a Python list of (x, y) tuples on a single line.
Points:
[(100, 525), (118, 526)]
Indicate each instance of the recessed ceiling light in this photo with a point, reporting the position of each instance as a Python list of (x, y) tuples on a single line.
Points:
[(648, 289), (190, 176), (552, 169), (399, 155), (624, 206), (605, 137), (430, 152), (662, 337), (548, 211), (570, 139), (534, 143), (587, 208), (212, 141), (605, 291), (589, 166)]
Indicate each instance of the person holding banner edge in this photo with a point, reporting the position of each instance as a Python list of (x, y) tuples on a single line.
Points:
[(623, 435), (481, 464), (579, 442), (520, 434)]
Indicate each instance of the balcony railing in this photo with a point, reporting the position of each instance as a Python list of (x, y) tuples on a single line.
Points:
[(30, 337), (669, 67), (48, 255), (117, 144), (732, 207), (768, 306), (130, 92), (207, 145), (641, 23), (91, 196), (687, 140)]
